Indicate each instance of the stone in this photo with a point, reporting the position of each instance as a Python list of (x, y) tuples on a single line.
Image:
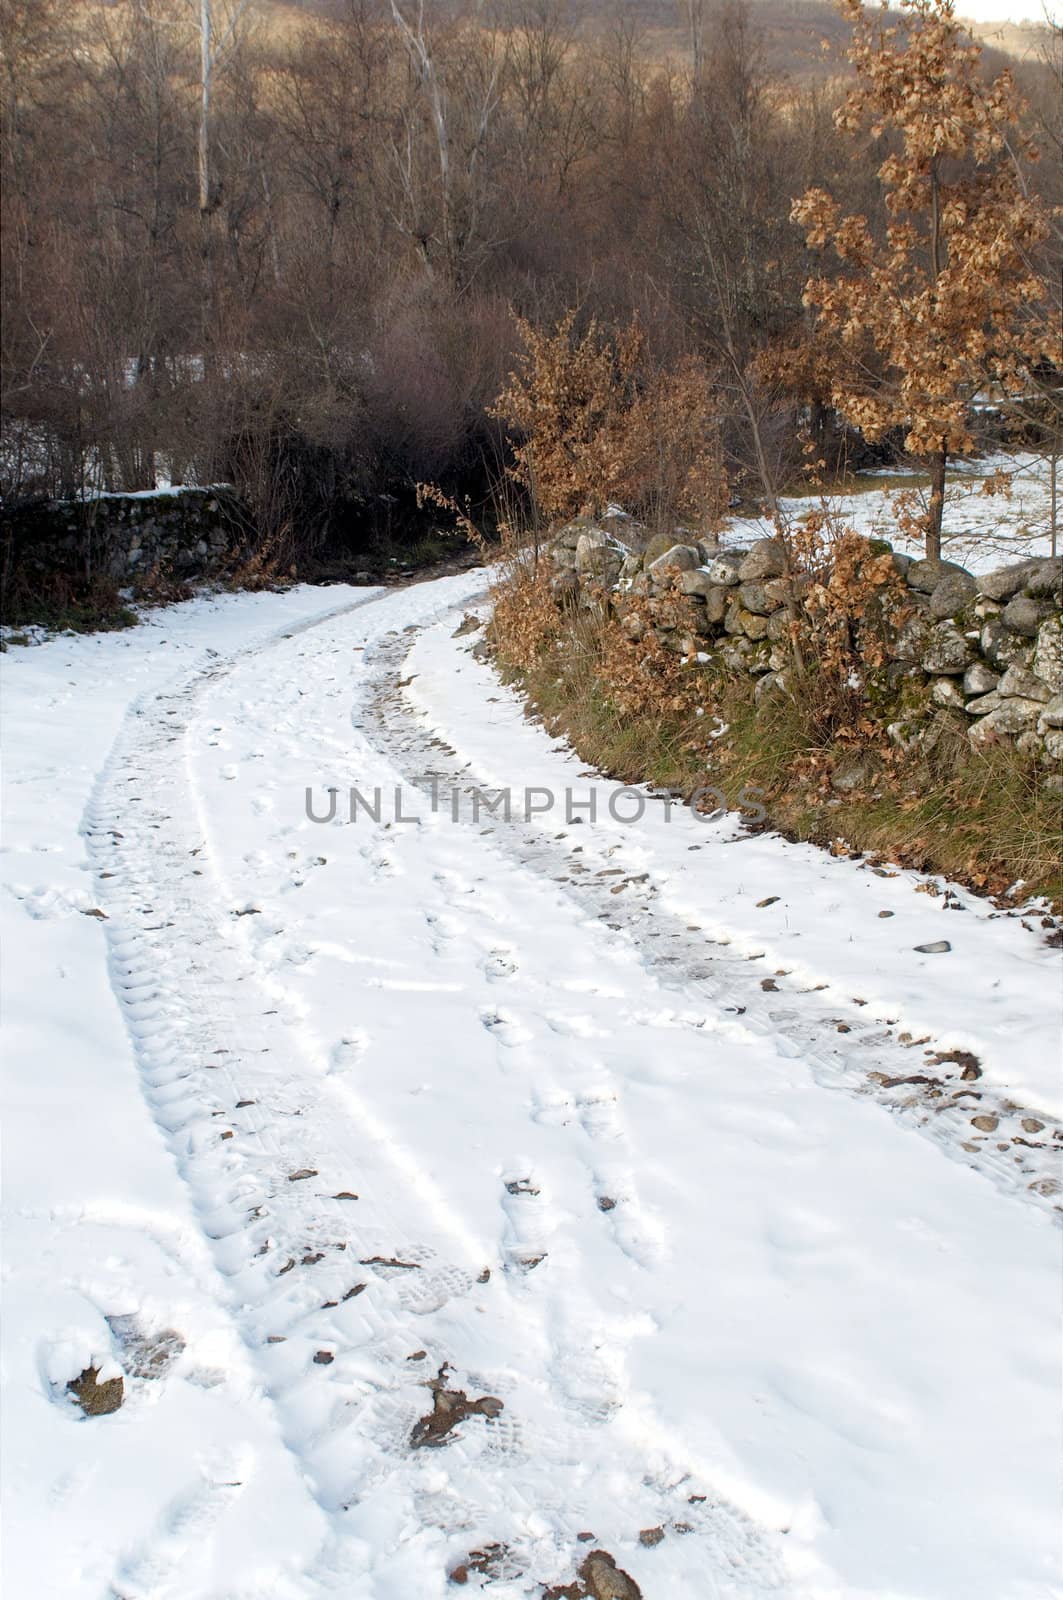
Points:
[(1007, 581), (633, 626), (983, 704), (696, 582), (1025, 616), (724, 567), (1026, 685), (1001, 647), (1054, 744), (851, 773), (925, 575), (596, 556), (97, 1399), (1048, 654), (754, 596), (658, 546), (1052, 714), (938, 947), (569, 536), (952, 595), (1046, 581), (948, 652), (901, 562), (630, 566), (1009, 718), (677, 558), (565, 587), (604, 1580), (948, 693), (1029, 745), (766, 559), (979, 679), (912, 641), (779, 626), (753, 626)]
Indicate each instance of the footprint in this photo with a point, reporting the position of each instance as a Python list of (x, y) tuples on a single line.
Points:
[(498, 964), (506, 1029), (529, 1223), (349, 1051)]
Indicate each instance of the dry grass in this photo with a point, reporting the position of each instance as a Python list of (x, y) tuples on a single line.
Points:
[(983, 819)]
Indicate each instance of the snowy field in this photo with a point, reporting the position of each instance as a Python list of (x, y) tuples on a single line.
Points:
[(979, 531), (730, 1211)]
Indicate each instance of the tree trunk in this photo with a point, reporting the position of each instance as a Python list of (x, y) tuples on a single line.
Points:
[(938, 466)]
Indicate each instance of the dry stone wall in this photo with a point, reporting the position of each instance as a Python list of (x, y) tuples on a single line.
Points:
[(184, 532), (989, 647)]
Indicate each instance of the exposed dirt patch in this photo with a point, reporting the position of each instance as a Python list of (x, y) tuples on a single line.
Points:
[(449, 1407), (598, 1578), (97, 1399)]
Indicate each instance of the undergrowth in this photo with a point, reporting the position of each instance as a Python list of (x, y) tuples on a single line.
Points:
[(983, 818)]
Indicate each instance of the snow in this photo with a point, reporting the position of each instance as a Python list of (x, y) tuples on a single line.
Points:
[(979, 531), (808, 1302)]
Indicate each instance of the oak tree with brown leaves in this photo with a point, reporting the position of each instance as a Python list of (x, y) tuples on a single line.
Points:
[(949, 301)]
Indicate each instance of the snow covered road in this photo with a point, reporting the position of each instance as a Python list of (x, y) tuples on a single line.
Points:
[(635, 1135)]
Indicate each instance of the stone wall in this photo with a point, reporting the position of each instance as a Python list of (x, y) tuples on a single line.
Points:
[(182, 533), (988, 648)]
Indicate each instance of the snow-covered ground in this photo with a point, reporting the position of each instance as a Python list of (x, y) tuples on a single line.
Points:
[(980, 531), (646, 1121)]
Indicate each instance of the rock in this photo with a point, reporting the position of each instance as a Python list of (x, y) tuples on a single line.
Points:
[(952, 595), (1007, 581), (565, 587), (724, 568), (912, 641), (766, 559), (605, 1581), (948, 652), (1001, 647), (708, 548), (905, 735), (630, 566), (979, 679), (1054, 744), (770, 683), (901, 563), (1009, 718), (925, 575), (851, 772), (1025, 616), (985, 1123), (1046, 581), (748, 622), (569, 536), (948, 693), (779, 627), (677, 558), (983, 704), (1029, 745), (755, 596), (1048, 654), (656, 547), (1018, 682), (633, 626), (1052, 714), (648, 1537), (696, 582), (938, 947), (97, 1399), (597, 557)]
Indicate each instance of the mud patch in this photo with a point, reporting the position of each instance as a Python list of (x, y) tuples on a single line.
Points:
[(449, 1407)]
